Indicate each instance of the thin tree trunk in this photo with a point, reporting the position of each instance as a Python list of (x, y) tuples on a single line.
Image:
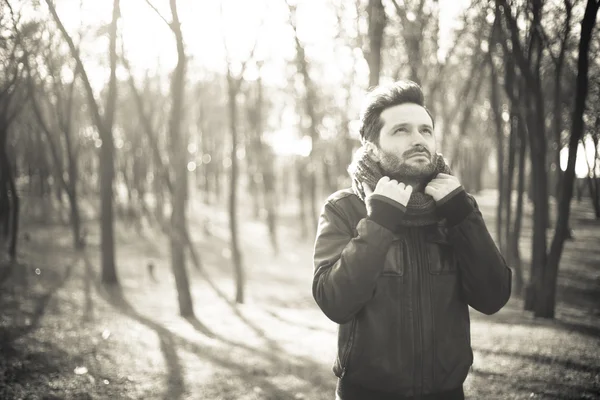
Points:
[(107, 167), (510, 172), (513, 251), (377, 21), (592, 178), (558, 100), (546, 305), (178, 142), (300, 168), (268, 176), (240, 276), (310, 99), (497, 111), (11, 197)]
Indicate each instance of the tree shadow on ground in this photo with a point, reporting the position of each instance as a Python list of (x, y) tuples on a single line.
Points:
[(310, 371), (175, 380), (24, 371), (550, 389), (32, 364), (304, 325), (543, 359), (518, 318), (9, 334)]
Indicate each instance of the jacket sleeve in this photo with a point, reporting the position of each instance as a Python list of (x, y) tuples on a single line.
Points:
[(485, 277), (346, 267)]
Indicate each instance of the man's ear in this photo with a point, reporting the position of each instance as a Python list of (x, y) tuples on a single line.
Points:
[(372, 150)]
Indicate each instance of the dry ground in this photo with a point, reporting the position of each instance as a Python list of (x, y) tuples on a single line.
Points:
[(63, 336)]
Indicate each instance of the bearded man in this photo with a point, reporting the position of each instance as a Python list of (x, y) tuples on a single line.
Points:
[(400, 257)]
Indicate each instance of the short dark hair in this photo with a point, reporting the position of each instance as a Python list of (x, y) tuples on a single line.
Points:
[(386, 96)]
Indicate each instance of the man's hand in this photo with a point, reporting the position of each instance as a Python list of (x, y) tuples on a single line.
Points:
[(392, 189), (441, 186)]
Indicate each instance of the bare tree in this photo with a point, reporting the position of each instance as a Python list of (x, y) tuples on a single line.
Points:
[(309, 175), (263, 160), (104, 123), (56, 121), (178, 157), (546, 303), (559, 62), (11, 100), (529, 64), (234, 83), (414, 21), (377, 22)]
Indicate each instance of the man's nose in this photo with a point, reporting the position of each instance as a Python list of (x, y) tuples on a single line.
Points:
[(418, 138)]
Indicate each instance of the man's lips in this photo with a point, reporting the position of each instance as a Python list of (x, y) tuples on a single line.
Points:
[(418, 154)]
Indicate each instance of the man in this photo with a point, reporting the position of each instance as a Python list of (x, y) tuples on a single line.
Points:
[(400, 257)]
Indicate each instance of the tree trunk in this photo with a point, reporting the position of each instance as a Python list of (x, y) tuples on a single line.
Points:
[(107, 165), (300, 170), (557, 114), (592, 178), (75, 219), (497, 112), (510, 170), (540, 212), (377, 21), (268, 176), (545, 306), (240, 276), (513, 251), (310, 100), (178, 142), (10, 198)]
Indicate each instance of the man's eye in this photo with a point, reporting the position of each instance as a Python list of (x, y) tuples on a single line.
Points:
[(401, 130), (426, 131)]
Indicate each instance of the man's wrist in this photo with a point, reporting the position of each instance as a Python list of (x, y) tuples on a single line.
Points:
[(455, 207), (385, 211)]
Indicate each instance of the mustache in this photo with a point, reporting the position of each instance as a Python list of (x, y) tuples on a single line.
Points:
[(417, 149)]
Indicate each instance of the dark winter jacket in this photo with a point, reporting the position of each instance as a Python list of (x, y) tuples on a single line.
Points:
[(401, 294)]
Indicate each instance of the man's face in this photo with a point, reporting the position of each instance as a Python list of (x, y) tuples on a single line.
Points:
[(406, 142)]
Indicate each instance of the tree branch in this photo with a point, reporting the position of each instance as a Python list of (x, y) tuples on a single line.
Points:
[(159, 14), (94, 108)]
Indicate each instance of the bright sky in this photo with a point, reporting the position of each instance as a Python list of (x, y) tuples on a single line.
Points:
[(150, 46), (149, 43), (584, 163)]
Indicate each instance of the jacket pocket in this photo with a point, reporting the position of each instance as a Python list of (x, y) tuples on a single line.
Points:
[(381, 356), (394, 260), (440, 253), (454, 355), (345, 342)]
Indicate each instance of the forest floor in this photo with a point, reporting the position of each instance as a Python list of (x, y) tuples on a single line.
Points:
[(64, 336)]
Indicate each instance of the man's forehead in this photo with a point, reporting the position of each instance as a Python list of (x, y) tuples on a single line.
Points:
[(406, 113)]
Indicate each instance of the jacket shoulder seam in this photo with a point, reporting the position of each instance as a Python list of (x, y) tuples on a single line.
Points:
[(335, 200)]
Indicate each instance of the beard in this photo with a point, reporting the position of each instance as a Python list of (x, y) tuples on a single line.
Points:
[(396, 166)]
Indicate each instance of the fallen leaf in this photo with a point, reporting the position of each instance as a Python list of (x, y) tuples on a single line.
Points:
[(80, 371)]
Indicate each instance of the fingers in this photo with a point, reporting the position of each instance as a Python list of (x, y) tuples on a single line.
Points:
[(435, 185), (430, 190), (367, 189), (445, 177)]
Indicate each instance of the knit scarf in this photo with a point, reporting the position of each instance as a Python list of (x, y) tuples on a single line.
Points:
[(420, 210)]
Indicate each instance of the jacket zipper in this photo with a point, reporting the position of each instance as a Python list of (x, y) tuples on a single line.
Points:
[(346, 355), (419, 316), (433, 335)]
